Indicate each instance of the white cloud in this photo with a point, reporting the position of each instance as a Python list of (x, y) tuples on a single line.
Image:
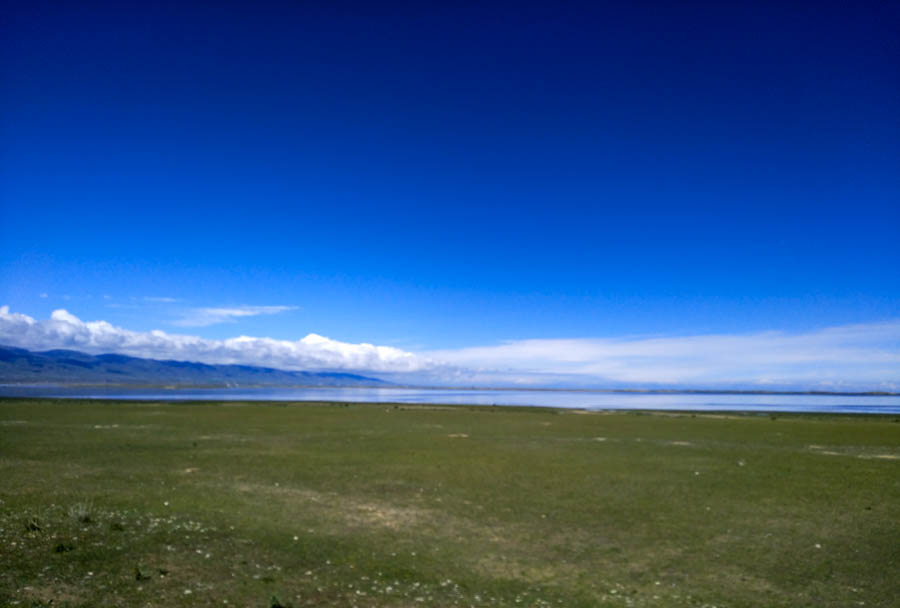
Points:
[(202, 317), (852, 354), (850, 357), (161, 300), (65, 330)]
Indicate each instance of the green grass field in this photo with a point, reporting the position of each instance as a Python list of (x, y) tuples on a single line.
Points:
[(158, 504)]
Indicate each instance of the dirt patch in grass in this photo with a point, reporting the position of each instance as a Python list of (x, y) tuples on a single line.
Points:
[(280, 491), (347, 513), (832, 451), (351, 511), (58, 593), (394, 518), (498, 566)]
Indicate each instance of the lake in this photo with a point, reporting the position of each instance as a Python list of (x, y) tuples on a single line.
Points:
[(591, 400)]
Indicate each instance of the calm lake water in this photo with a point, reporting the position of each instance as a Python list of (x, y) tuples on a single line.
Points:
[(592, 400)]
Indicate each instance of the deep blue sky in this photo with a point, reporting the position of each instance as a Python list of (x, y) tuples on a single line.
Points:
[(445, 177)]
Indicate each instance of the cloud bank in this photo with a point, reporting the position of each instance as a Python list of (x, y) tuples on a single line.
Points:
[(314, 352), (850, 357), (836, 357)]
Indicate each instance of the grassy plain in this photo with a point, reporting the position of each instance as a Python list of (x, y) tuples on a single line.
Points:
[(157, 504)]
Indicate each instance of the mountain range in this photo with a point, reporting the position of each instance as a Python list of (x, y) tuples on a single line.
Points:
[(20, 366)]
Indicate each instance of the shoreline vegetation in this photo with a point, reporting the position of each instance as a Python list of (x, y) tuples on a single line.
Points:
[(110, 503)]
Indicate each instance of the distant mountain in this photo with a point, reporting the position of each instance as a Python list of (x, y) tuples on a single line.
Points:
[(19, 366)]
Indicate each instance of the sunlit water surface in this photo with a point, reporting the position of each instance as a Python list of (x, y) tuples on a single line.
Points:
[(591, 400)]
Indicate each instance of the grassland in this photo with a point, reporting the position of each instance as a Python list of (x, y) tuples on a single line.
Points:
[(158, 504)]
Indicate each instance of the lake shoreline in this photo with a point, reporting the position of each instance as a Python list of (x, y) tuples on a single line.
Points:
[(712, 409)]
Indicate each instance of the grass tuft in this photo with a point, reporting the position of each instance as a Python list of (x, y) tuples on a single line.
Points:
[(33, 525), (276, 603), (82, 512)]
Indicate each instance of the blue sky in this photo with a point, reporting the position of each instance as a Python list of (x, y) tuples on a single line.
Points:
[(442, 179)]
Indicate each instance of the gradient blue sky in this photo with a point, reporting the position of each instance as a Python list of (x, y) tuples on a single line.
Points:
[(441, 178)]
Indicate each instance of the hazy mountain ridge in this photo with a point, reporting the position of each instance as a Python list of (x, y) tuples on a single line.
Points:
[(18, 365)]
